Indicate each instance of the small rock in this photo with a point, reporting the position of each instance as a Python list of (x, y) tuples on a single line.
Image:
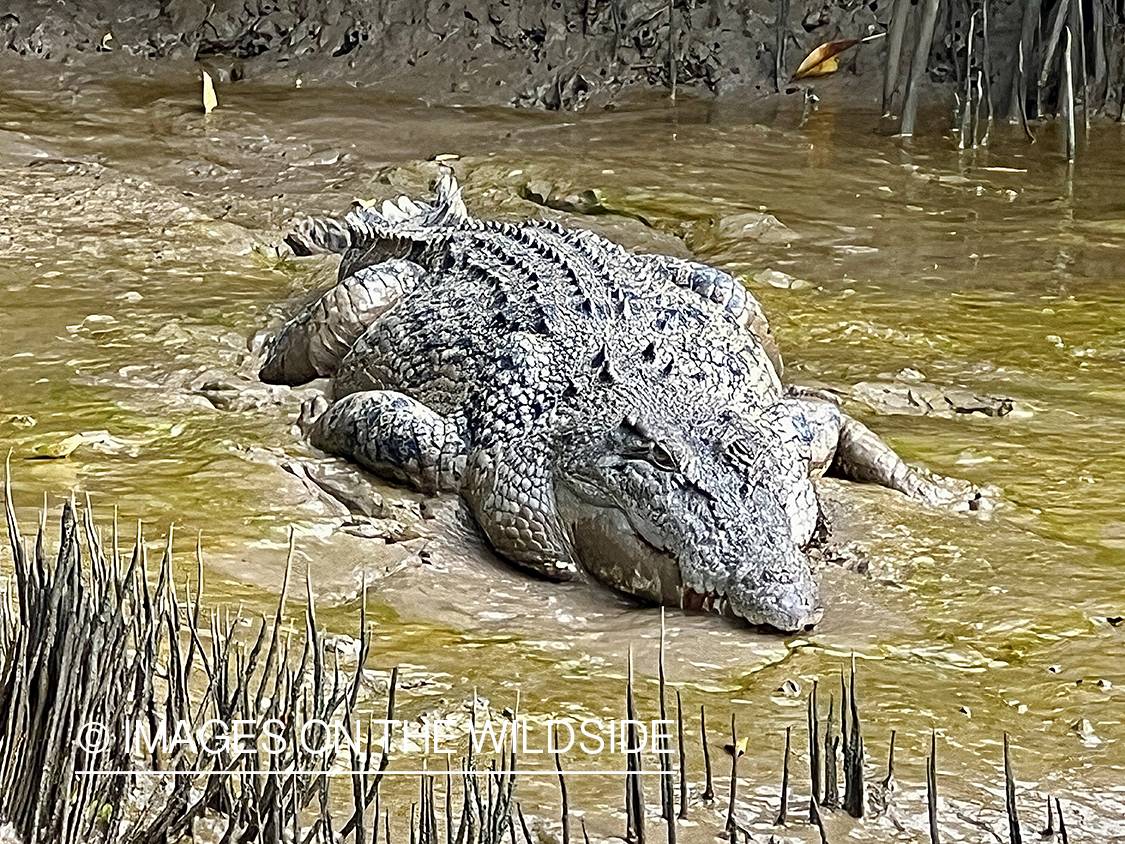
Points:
[(538, 191), (780, 280), (549, 195), (363, 530), (918, 398), (755, 225), (790, 688), (320, 159), (963, 401), (58, 449)]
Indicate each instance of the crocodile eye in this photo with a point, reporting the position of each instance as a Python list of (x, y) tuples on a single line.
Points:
[(662, 459), (654, 454), (642, 445)]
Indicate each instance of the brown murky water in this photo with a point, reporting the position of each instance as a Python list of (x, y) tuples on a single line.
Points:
[(131, 287)]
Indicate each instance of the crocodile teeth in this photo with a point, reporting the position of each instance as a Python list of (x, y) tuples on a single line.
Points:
[(705, 601)]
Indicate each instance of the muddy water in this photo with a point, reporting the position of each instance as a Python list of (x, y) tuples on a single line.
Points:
[(138, 265)]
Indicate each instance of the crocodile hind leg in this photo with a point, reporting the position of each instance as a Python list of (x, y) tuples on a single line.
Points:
[(392, 435), (312, 344), (728, 293)]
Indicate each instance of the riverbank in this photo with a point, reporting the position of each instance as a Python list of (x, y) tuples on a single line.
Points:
[(562, 55)]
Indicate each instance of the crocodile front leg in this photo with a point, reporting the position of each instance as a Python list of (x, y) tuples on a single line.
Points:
[(846, 448), (510, 493), (508, 478), (862, 456), (396, 437)]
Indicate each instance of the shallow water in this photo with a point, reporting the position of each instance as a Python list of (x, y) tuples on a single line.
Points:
[(130, 285)]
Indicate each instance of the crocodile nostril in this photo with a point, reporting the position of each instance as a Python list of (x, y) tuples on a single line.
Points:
[(814, 618)]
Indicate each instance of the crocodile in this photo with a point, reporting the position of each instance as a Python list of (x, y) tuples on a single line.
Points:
[(605, 414)]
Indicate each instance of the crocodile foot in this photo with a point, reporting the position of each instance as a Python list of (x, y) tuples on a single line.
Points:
[(954, 493)]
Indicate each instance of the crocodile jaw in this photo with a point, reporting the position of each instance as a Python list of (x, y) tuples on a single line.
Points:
[(616, 553)]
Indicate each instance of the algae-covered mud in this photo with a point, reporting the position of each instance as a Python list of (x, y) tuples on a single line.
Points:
[(967, 306)]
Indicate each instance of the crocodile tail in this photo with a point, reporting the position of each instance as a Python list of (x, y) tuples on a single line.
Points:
[(399, 219), (408, 219), (320, 234), (450, 207)]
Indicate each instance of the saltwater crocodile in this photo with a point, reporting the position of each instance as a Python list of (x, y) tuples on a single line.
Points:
[(603, 413)]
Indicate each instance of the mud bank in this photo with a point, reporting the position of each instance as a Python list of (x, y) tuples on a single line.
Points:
[(563, 54)]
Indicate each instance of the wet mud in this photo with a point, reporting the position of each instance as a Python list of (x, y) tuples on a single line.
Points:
[(140, 273), (562, 55)]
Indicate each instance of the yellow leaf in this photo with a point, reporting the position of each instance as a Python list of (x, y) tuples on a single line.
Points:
[(209, 98), (822, 60)]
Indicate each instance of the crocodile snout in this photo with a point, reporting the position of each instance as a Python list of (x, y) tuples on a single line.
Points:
[(776, 591), (800, 615)]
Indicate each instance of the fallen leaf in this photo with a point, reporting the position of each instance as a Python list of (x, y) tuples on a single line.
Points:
[(822, 61), (209, 98), (58, 450)]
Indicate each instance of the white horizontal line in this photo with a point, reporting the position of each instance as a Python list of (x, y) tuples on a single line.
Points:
[(537, 772)]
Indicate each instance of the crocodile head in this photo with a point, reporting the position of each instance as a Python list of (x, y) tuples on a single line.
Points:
[(694, 513)]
